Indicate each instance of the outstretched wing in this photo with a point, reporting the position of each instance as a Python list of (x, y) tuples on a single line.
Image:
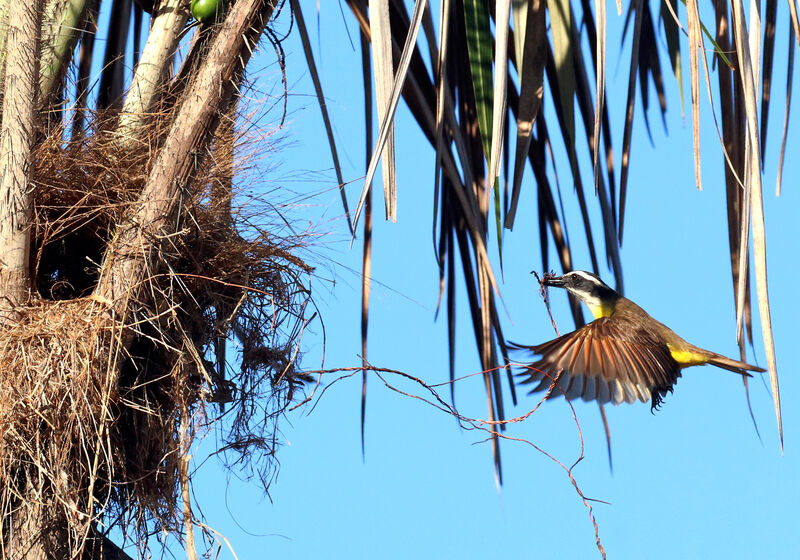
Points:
[(608, 361)]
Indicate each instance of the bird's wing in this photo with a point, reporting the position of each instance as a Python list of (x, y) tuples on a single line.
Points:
[(607, 360)]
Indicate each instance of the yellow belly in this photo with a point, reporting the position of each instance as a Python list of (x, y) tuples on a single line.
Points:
[(599, 310), (686, 358)]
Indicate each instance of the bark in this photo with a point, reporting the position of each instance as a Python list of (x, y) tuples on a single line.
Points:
[(133, 253), (16, 139), (29, 537), (162, 41), (30, 533), (4, 5)]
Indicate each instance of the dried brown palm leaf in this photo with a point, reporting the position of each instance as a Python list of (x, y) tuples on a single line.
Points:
[(766, 78), (695, 42), (638, 8), (381, 40), (388, 116), (531, 70), (366, 259), (301, 27), (789, 73), (754, 183), (566, 135)]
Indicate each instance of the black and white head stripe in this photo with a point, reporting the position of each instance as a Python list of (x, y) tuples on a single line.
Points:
[(582, 282), (581, 277)]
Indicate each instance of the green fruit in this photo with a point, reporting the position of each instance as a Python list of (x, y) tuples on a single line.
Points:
[(206, 11)]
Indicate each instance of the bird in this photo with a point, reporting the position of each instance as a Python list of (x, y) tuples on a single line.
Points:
[(624, 355)]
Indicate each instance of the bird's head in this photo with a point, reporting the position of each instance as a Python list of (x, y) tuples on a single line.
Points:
[(588, 288)]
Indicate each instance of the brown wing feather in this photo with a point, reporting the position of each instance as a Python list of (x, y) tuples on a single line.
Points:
[(618, 359)]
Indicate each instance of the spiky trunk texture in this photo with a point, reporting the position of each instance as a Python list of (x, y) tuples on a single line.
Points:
[(33, 535), (25, 526), (162, 41), (16, 139), (133, 253), (4, 5)]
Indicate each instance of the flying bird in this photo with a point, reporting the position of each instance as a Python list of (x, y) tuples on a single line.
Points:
[(624, 355)]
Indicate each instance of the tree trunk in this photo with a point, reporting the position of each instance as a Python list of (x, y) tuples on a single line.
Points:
[(148, 79), (29, 529), (28, 534), (16, 139), (134, 251)]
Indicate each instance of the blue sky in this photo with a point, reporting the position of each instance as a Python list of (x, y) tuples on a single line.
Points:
[(691, 481)]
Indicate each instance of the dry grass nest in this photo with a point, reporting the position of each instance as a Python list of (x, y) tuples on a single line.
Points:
[(97, 411)]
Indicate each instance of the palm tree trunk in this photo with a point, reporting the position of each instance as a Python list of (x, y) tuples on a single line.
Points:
[(16, 139), (29, 530), (133, 254)]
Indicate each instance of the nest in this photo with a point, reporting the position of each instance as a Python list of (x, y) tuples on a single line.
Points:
[(97, 411)]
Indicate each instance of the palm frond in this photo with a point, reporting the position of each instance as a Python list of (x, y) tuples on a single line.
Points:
[(480, 79)]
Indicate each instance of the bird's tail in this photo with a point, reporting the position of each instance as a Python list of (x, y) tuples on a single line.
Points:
[(731, 365)]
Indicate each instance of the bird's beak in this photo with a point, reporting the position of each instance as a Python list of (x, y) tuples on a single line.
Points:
[(555, 282)]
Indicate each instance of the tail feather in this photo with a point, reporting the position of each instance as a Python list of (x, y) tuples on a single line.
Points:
[(732, 365)]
